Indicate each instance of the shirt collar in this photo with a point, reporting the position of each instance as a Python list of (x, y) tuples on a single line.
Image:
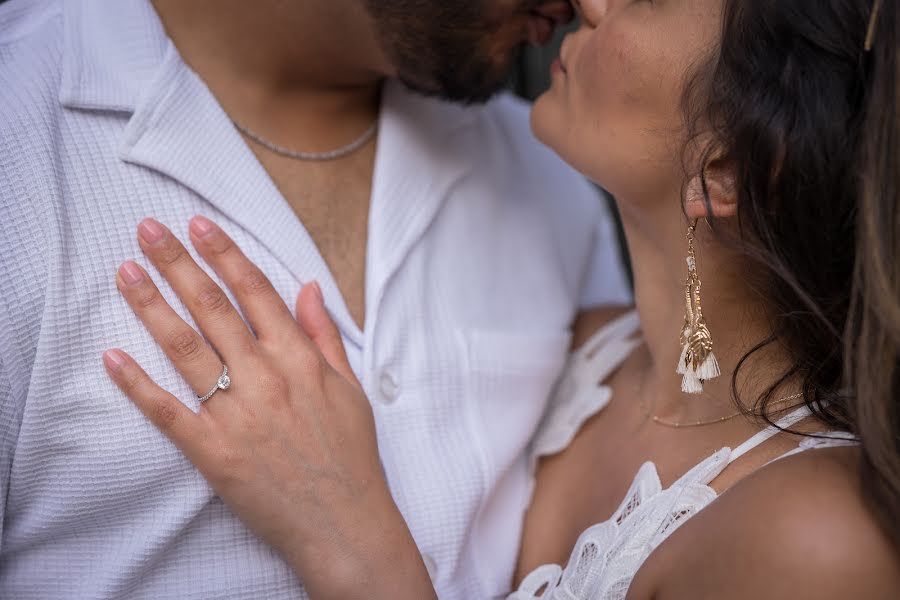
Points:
[(119, 58), (113, 49)]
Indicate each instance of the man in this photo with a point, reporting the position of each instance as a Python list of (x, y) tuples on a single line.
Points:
[(452, 249)]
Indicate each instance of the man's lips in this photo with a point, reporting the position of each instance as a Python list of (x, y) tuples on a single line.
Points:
[(544, 18), (540, 30), (558, 11)]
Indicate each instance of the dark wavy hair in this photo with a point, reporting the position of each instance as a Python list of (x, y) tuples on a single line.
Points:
[(807, 119)]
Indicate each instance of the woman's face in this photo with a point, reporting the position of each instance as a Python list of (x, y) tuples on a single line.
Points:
[(614, 109)]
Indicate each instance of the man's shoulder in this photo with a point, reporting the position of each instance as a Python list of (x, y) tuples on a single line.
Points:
[(507, 118), (27, 21), (505, 149), (31, 48), (506, 165), (31, 38), (498, 141), (513, 115), (541, 178)]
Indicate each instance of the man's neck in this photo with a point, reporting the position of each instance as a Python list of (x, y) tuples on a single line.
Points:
[(310, 70)]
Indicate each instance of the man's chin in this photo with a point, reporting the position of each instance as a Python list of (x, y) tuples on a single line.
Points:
[(472, 83), (462, 94)]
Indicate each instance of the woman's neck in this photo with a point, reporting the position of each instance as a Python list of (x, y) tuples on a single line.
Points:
[(735, 315)]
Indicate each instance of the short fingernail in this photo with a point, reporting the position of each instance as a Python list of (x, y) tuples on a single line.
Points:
[(114, 359), (151, 231), (202, 227), (318, 292), (131, 273)]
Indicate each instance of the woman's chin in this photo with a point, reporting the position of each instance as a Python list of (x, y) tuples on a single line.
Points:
[(545, 121), (550, 126)]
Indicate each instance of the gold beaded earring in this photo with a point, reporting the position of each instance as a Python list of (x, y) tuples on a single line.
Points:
[(697, 362)]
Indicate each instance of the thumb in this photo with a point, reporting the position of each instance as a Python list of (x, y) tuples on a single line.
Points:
[(317, 324)]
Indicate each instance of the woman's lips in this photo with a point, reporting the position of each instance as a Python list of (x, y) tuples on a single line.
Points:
[(557, 66)]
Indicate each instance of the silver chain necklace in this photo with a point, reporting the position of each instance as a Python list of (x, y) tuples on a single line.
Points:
[(310, 156)]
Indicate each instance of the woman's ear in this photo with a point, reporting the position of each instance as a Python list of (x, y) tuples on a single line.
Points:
[(720, 196)]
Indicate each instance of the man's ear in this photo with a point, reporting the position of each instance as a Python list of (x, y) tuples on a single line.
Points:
[(720, 194)]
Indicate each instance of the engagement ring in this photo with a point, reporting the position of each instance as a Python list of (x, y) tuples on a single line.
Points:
[(223, 383)]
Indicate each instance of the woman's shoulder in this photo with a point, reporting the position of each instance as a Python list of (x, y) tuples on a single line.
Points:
[(799, 527), (814, 503)]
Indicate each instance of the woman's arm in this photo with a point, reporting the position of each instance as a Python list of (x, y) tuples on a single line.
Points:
[(290, 445)]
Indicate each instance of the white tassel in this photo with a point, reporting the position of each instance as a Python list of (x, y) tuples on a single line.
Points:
[(691, 384), (709, 369), (682, 360)]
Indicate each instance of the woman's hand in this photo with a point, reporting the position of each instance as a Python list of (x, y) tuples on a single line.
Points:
[(290, 445)]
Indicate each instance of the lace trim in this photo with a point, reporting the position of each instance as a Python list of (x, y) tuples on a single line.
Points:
[(608, 555), (601, 564), (580, 394)]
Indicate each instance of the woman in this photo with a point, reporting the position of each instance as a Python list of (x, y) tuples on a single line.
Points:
[(757, 138)]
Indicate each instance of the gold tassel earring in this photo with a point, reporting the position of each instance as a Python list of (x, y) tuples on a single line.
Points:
[(697, 362)]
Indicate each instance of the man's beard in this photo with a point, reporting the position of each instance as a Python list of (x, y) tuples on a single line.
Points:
[(438, 47)]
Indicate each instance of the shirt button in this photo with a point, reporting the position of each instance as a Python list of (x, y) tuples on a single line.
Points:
[(389, 388), (430, 566)]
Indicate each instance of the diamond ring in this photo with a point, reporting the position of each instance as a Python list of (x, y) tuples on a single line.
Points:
[(223, 383)]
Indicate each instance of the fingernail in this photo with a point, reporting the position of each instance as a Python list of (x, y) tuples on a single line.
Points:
[(114, 359), (131, 273), (202, 227), (151, 231), (318, 291)]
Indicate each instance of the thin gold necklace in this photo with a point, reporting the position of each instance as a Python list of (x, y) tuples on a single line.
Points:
[(676, 425)]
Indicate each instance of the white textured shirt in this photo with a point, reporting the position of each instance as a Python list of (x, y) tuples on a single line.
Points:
[(482, 247)]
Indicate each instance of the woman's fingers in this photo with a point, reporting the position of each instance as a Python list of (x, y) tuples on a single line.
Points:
[(212, 310), (164, 410), (266, 312), (317, 324), (192, 356)]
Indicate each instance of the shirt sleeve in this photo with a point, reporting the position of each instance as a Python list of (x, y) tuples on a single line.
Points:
[(606, 281)]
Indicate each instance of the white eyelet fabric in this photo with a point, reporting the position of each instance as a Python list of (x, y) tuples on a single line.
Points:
[(609, 554)]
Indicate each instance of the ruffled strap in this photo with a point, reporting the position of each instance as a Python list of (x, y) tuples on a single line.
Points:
[(770, 431), (829, 439), (542, 579), (580, 393)]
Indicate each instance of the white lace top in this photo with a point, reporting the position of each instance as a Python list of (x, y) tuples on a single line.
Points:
[(608, 555)]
